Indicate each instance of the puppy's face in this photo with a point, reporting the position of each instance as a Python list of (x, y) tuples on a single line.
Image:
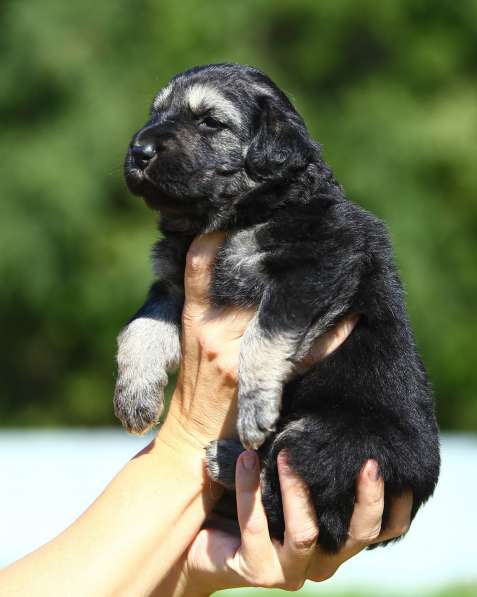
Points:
[(212, 135)]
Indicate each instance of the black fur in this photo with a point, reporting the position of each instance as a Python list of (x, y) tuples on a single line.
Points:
[(305, 256)]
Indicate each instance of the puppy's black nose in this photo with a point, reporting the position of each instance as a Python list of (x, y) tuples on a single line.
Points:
[(143, 153)]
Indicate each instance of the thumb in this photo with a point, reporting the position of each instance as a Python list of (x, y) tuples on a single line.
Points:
[(199, 263)]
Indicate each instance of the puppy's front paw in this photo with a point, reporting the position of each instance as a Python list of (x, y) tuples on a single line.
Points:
[(147, 349), (257, 418), (138, 404)]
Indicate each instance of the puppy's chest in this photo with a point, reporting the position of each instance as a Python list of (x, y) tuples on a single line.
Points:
[(238, 274)]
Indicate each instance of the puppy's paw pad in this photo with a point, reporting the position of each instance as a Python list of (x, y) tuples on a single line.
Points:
[(221, 457), (138, 407), (256, 421)]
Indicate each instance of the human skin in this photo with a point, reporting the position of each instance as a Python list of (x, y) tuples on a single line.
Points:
[(141, 535)]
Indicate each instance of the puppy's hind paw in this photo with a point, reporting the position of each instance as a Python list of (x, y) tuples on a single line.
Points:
[(221, 457), (138, 407)]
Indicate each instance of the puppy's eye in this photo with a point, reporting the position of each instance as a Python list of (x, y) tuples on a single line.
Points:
[(211, 123)]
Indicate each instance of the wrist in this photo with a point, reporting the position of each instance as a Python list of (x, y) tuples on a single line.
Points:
[(193, 584), (179, 583), (185, 454)]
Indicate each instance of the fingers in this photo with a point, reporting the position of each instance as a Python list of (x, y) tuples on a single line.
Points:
[(365, 524), (261, 561), (334, 338), (301, 527), (330, 341), (256, 543), (199, 262), (399, 518)]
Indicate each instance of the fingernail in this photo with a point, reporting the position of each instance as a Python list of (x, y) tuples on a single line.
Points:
[(283, 457), (249, 460), (372, 469)]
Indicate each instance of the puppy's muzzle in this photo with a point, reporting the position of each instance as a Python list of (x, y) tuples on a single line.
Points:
[(147, 143)]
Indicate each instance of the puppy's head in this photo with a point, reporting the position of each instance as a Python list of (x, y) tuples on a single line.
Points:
[(214, 133)]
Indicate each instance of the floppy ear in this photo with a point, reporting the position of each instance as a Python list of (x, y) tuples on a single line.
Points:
[(281, 145)]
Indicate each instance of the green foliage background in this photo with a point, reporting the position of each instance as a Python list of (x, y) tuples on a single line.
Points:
[(389, 88)]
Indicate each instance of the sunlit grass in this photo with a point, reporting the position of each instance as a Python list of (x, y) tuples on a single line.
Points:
[(453, 591)]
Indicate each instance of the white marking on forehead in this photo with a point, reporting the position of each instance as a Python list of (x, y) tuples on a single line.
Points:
[(204, 96), (163, 96)]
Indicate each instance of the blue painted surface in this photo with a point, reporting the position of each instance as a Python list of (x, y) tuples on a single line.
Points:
[(49, 477)]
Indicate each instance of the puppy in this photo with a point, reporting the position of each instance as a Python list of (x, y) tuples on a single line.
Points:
[(224, 149)]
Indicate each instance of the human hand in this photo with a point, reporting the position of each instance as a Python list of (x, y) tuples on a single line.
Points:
[(217, 560), (203, 406)]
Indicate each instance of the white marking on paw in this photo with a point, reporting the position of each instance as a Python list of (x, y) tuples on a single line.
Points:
[(147, 349)]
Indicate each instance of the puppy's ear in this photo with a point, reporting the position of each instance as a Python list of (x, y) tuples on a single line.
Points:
[(281, 145)]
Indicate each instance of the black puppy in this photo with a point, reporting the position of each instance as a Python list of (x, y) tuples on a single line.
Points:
[(224, 149)]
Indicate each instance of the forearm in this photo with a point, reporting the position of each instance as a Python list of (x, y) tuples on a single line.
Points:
[(129, 538)]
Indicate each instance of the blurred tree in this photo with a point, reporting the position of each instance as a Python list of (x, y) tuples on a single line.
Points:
[(388, 88)]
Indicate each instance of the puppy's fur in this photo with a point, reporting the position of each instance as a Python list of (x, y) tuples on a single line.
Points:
[(224, 149)]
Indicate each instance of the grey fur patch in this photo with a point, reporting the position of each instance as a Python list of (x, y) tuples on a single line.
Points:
[(297, 426), (266, 363), (243, 253), (148, 348), (161, 99)]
